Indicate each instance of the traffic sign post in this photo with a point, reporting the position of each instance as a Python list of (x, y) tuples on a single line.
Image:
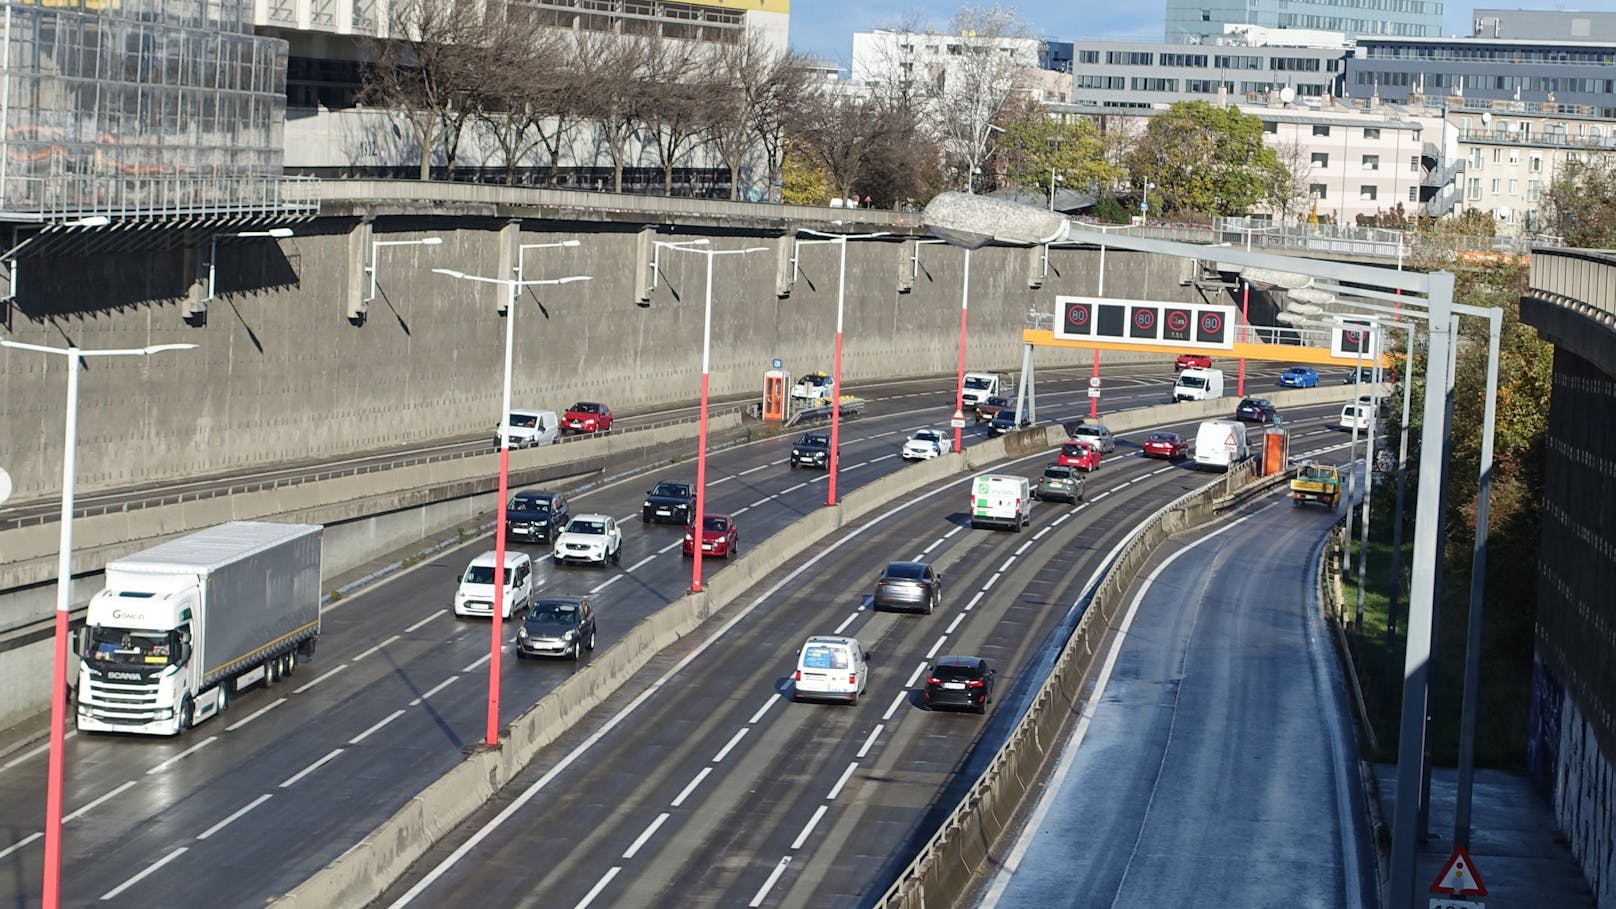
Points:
[(959, 420), (1094, 392), (1458, 878)]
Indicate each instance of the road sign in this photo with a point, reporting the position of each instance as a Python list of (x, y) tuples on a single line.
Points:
[(5, 485), (1202, 326), (1094, 392), (1459, 876), (1094, 381), (959, 420), (1448, 902), (777, 363)]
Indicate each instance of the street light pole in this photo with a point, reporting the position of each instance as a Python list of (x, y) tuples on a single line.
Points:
[(1053, 179), (496, 626), (64, 579), (959, 385)]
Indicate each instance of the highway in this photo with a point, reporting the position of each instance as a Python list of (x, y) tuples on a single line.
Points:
[(244, 807)]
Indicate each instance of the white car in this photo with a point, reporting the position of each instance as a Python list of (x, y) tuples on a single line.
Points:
[(810, 388), (589, 538), (1356, 416), (925, 444)]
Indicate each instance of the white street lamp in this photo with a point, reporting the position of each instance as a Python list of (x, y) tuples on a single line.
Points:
[(504, 477), (64, 578), (279, 233), (695, 246), (1144, 202), (375, 248), (836, 374), (1054, 178), (10, 255)]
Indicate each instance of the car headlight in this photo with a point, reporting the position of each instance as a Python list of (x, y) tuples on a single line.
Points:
[(569, 635), (689, 538), (521, 633), (647, 504), (795, 453)]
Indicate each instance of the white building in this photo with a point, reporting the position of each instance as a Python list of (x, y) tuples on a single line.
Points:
[(885, 57)]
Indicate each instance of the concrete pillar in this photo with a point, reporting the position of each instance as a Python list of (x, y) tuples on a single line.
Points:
[(510, 243), (784, 248), (643, 250), (194, 262), (356, 274)]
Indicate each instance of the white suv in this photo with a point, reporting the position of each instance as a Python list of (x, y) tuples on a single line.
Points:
[(589, 538)]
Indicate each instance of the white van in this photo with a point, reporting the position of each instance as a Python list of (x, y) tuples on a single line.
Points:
[(530, 427), (1001, 501), (979, 386), (475, 595), (1221, 444), (1196, 384), (830, 667)]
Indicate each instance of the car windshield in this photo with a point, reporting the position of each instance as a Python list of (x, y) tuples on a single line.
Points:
[(1191, 382), (585, 407), (582, 526), (565, 614), (484, 574), (132, 648), (676, 490), (956, 673), (811, 439), (976, 382), (819, 656), (714, 522), (925, 435), (1297, 371), (524, 420), (907, 571), (530, 503)]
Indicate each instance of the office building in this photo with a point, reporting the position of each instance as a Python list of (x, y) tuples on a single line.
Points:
[(1244, 66), (1580, 77), (1202, 21)]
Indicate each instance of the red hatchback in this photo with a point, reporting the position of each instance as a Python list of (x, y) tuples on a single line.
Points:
[(719, 536), (1192, 361), (587, 417), (1169, 445), (1079, 454)]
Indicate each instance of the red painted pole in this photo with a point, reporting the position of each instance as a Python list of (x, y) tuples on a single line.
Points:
[(56, 769), (959, 389), (1245, 320), (701, 436), (496, 632)]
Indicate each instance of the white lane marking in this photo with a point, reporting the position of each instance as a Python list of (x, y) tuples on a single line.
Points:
[(754, 469), (1139, 479), (954, 624), (154, 866), (848, 773), (1119, 486), (365, 653), (292, 780), (711, 483), (599, 886), (606, 583), (19, 844), (182, 755), (761, 501), (1161, 470), (845, 622), (366, 734), (896, 703), (1040, 534), (724, 751), (233, 817), (792, 488), (742, 510), (253, 716), (768, 885), (1099, 497), (1062, 519), (808, 828), (765, 708), (1020, 550), (643, 562), (1053, 786), (671, 546), (868, 744), (882, 458), (424, 621), (974, 600), (315, 681), (1008, 562), (991, 581), (32, 752), (646, 834), (477, 662), (437, 688), (915, 676), (940, 541), (690, 787), (91, 807)]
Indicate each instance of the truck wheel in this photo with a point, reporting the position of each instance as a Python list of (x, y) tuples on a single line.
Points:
[(187, 713), (291, 664), (224, 697), (272, 672)]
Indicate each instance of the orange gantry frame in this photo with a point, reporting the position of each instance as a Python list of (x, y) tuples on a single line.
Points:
[(1249, 350)]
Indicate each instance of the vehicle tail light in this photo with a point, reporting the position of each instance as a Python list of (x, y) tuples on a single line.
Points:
[(934, 680), (975, 683), (797, 676), (852, 678)]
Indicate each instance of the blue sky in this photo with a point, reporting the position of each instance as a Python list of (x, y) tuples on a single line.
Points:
[(825, 28)]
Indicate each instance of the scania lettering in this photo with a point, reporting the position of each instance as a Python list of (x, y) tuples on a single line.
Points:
[(182, 626)]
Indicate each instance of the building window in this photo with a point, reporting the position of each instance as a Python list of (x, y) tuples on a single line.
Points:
[(1367, 193), (1371, 162), (1535, 164), (1318, 191), (1513, 190), (1498, 156), (1413, 194), (1270, 127), (1088, 56), (1371, 133), (1321, 159), (1320, 130), (1514, 158), (1534, 188), (1414, 164), (1475, 189)]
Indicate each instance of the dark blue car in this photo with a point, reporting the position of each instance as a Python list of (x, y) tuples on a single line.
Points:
[(1299, 377)]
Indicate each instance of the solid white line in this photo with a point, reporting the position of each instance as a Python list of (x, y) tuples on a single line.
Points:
[(846, 622), (424, 621), (954, 624), (113, 893), (477, 662), (848, 773), (599, 886), (644, 562), (365, 653), (754, 469), (765, 708), (809, 827), (88, 808), (774, 875), (33, 752), (253, 716), (19, 844), (690, 787), (915, 676), (936, 647), (366, 734), (928, 549), (646, 834), (311, 768), (974, 600), (437, 688), (724, 751), (183, 754), (991, 581), (896, 703), (312, 682), (869, 742), (226, 822), (607, 583)]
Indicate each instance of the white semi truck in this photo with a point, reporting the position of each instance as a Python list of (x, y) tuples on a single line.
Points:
[(180, 627)]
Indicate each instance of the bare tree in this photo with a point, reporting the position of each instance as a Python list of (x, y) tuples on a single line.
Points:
[(987, 51), (524, 92), (840, 131), (771, 106), (677, 111), (741, 68)]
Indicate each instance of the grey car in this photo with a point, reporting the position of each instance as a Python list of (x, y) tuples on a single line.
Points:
[(911, 586), (1059, 482), (557, 626)]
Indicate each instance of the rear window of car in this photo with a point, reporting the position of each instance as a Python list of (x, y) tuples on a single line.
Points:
[(818, 656), (1058, 473), (1161, 437), (905, 570), (1074, 449), (956, 673)]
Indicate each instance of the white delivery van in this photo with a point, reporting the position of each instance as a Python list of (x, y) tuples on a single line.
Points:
[(979, 386), (1221, 444), (1001, 501), (1196, 384), (830, 667), (530, 427), (475, 595)]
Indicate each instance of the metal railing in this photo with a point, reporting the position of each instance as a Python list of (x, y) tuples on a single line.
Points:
[(157, 197), (1579, 279)]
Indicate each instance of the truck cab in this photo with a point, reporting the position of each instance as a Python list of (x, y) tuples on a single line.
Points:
[(979, 386), (133, 650)]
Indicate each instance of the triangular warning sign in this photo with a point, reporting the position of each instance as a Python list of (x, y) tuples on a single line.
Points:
[(1230, 440), (1459, 876)]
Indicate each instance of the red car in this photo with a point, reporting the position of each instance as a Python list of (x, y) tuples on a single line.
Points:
[(1169, 445), (1192, 361), (1079, 454), (719, 536), (586, 416)]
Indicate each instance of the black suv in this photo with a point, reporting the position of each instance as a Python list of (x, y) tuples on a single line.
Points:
[(812, 450), (669, 503), (1007, 420), (557, 626), (1256, 410), (534, 515), (960, 681)]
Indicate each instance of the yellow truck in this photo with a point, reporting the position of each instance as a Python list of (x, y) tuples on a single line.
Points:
[(1316, 483)]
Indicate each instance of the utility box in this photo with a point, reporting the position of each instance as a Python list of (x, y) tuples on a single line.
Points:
[(1276, 451)]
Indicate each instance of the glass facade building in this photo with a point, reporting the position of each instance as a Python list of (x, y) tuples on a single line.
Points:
[(1202, 21)]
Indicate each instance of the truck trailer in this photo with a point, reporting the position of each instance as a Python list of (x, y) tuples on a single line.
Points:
[(182, 626)]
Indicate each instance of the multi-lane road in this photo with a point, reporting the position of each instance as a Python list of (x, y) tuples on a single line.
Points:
[(763, 798)]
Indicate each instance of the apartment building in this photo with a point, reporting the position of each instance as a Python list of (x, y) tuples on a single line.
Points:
[(1513, 151)]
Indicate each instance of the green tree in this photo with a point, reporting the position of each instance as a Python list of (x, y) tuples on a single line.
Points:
[(804, 180), (1204, 159), (1036, 147), (1580, 204)]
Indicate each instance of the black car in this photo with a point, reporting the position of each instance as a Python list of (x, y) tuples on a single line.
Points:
[(1006, 420), (913, 586), (669, 503), (534, 515), (960, 681), (1256, 410), (557, 626), (812, 450)]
